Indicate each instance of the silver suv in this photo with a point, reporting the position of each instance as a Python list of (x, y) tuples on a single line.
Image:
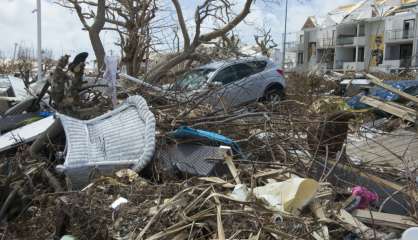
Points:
[(234, 83)]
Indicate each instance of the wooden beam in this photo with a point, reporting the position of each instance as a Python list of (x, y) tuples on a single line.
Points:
[(384, 219), (9, 99), (379, 83), (390, 108), (353, 224), (376, 179), (230, 164)]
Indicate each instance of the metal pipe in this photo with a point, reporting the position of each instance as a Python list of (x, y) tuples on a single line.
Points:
[(39, 43), (284, 37)]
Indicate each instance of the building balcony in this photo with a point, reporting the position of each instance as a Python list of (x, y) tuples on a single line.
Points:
[(345, 40), (360, 40), (295, 46), (397, 63), (349, 65), (399, 35), (325, 43)]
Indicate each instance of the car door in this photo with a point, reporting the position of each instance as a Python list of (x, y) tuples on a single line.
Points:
[(245, 87), (224, 96)]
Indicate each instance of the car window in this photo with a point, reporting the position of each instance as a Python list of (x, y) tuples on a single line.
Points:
[(243, 70), (258, 66), (226, 76), (195, 78)]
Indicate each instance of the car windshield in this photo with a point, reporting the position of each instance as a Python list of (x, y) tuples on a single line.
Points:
[(195, 78)]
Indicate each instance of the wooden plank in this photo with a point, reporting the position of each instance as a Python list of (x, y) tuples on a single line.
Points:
[(230, 164), (353, 224), (384, 219), (406, 115), (405, 108), (377, 180), (379, 83), (9, 99)]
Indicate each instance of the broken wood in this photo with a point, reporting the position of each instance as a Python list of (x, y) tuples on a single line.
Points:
[(231, 166), (380, 83), (9, 99), (319, 213), (353, 224), (384, 219), (391, 108)]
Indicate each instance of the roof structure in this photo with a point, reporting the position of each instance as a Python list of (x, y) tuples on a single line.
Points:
[(364, 9)]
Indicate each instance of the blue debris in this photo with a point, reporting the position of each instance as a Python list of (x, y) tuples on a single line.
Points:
[(188, 132), (45, 114), (382, 93)]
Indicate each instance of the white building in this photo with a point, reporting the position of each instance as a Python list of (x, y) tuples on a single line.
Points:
[(372, 35)]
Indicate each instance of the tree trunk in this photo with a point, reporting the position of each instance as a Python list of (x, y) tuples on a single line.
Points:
[(98, 48), (159, 71)]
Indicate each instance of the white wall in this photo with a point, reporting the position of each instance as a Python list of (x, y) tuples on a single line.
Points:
[(325, 32), (396, 22)]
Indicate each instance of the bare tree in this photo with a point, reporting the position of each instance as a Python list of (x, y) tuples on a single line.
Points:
[(24, 63), (209, 9), (47, 60), (85, 12), (264, 41), (132, 20)]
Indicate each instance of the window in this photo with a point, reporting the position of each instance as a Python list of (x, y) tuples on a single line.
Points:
[(195, 78), (243, 70), (226, 76), (360, 57), (361, 32), (258, 66), (300, 58)]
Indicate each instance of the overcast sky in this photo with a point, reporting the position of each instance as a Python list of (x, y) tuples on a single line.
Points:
[(62, 30)]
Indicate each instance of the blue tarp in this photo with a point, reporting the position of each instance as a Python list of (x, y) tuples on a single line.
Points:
[(382, 93), (188, 132)]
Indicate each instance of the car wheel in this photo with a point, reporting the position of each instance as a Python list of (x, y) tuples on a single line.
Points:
[(273, 95)]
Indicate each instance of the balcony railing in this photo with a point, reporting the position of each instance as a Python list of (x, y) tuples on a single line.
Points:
[(325, 42), (296, 45), (345, 40), (399, 34), (405, 62)]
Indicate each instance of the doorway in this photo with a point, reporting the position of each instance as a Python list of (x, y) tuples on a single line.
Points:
[(405, 55), (408, 28)]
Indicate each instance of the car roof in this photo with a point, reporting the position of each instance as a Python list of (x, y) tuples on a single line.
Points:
[(219, 64)]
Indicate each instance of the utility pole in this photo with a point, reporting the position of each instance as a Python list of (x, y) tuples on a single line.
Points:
[(14, 54), (39, 43), (284, 36)]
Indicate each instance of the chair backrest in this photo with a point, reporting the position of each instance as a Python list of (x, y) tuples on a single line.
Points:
[(124, 136)]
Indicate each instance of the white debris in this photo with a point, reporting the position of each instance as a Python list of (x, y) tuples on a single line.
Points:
[(288, 196), (118, 202), (25, 134), (240, 192)]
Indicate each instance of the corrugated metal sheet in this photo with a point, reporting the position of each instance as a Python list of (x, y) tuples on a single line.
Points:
[(124, 137), (194, 159), (18, 87), (25, 134)]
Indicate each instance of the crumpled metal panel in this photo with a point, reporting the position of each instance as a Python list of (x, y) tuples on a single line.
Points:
[(194, 159), (124, 137)]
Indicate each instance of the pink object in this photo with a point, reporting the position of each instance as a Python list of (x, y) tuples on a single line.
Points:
[(366, 196)]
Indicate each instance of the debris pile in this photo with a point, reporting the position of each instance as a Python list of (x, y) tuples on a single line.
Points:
[(308, 167)]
